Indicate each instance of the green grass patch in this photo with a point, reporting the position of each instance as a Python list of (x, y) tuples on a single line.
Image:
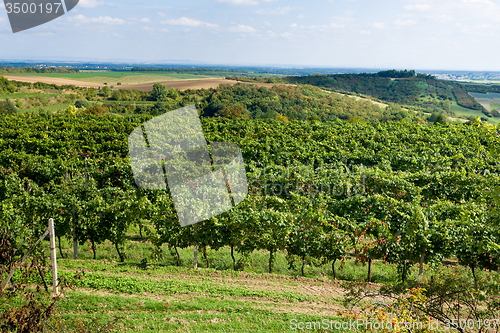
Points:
[(26, 95), (197, 314), (49, 108)]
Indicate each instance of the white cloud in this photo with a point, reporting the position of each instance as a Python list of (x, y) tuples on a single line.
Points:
[(403, 23), (148, 29), (293, 25), (379, 25), (161, 14), (277, 11), (418, 7), (164, 30), (447, 11), (244, 2), (286, 35), (487, 2), (81, 19), (323, 27), (189, 22), (89, 3), (143, 20), (242, 28)]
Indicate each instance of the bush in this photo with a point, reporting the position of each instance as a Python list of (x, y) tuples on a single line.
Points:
[(451, 298), (81, 104), (96, 110), (31, 309), (116, 95), (438, 118), (7, 107)]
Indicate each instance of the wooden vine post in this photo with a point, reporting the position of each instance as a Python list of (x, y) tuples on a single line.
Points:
[(53, 258), (195, 251)]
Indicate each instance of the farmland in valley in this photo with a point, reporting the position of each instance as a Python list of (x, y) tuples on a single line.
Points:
[(100, 78)]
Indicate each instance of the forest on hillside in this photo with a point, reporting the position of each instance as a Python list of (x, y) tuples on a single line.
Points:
[(393, 87), (402, 87), (245, 101)]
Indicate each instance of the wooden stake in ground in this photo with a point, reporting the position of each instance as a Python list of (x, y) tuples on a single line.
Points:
[(195, 252), (75, 242), (53, 258)]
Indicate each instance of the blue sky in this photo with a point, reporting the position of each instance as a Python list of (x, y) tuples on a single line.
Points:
[(413, 34)]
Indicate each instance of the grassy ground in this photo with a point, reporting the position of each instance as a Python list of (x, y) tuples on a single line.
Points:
[(173, 299), (142, 295), (160, 297), (463, 112)]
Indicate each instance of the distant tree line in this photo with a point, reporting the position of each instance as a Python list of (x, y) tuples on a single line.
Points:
[(185, 70), (481, 88), (29, 69)]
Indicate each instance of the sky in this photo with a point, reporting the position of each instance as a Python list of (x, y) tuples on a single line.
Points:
[(401, 34)]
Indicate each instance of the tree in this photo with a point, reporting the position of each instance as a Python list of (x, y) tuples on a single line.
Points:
[(116, 95), (173, 93), (90, 94), (159, 92), (105, 91)]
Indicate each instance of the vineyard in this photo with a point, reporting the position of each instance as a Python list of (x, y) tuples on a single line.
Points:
[(398, 193)]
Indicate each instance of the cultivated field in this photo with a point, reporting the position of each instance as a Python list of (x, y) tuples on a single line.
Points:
[(112, 78), (134, 81), (490, 101)]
